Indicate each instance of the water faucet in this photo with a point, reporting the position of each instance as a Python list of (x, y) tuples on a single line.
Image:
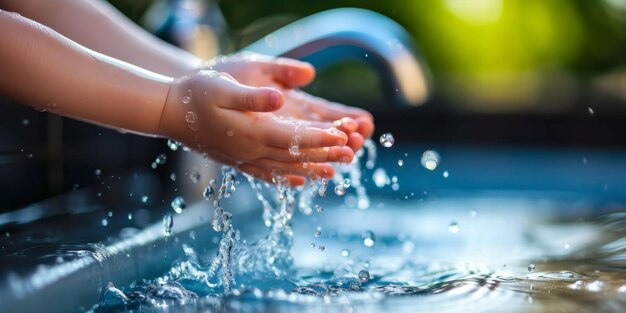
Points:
[(333, 36)]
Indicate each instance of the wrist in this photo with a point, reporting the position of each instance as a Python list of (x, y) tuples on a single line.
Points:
[(172, 123), (164, 127)]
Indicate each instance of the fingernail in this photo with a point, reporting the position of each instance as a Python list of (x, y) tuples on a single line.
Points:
[(275, 99)]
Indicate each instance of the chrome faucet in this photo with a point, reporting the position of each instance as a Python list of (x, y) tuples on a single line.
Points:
[(333, 36)]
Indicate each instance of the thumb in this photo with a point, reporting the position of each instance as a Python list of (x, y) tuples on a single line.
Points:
[(236, 96)]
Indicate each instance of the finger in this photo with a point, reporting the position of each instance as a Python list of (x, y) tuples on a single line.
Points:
[(355, 141), (291, 73), (285, 133), (265, 175), (232, 95), (366, 126), (326, 154), (347, 125), (296, 180), (331, 111), (314, 170)]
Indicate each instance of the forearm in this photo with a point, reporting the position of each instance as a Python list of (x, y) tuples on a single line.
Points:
[(43, 69), (97, 25)]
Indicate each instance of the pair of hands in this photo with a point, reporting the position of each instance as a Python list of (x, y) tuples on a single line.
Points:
[(246, 111)]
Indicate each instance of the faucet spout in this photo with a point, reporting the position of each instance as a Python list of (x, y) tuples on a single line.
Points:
[(336, 35)]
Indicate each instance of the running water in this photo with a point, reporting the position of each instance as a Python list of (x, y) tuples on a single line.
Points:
[(270, 258)]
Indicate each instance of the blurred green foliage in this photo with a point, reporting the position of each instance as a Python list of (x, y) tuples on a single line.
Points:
[(490, 52), (471, 35), (134, 9)]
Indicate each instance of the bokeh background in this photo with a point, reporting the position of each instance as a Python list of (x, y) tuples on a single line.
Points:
[(505, 72)]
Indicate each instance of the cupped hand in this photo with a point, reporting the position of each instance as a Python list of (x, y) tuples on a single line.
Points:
[(217, 116), (287, 75)]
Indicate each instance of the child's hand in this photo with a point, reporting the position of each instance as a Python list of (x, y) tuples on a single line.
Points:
[(212, 113), (286, 75)]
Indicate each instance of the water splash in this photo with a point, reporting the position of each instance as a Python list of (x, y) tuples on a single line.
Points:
[(369, 239), (323, 188), (454, 228), (178, 205), (364, 276), (168, 223)]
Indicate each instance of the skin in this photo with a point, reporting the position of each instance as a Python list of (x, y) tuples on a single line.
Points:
[(287, 75), (98, 26), (142, 101)]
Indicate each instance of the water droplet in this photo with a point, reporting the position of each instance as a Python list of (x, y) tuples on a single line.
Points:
[(230, 132), (130, 216), (168, 222), (191, 117), (321, 248), (590, 110), (531, 267), (386, 140), (173, 145), (347, 182), (318, 232), (194, 176), (369, 239), (380, 177), (364, 276), (566, 246), (97, 172), (110, 214), (104, 222), (340, 190), (208, 192), (395, 186), (186, 98), (25, 122), (173, 176), (313, 245), (430, 159), (345, 253), (400, 162), (473, 213), (319, 208), (178, 204), (144, 199), (294, 150), (454, 228), (323, 187), (446, 174), (161, 159)]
